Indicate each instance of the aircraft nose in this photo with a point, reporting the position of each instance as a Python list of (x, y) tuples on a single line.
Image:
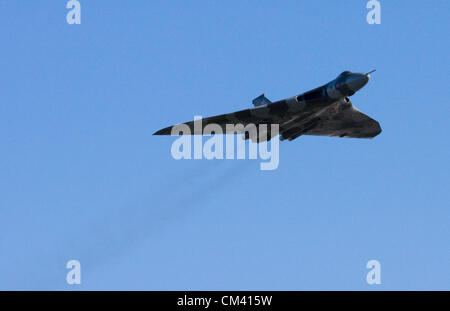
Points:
[(357, 81)]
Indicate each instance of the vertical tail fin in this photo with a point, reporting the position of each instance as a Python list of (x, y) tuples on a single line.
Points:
[(261, 100)]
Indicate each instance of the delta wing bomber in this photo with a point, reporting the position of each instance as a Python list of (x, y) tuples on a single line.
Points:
[(324, 111)]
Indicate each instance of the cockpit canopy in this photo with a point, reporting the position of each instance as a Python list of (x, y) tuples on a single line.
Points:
[(344, 74)]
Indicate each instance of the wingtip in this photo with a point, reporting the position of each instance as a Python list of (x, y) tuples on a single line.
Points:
[(164, 131), (377, 130)]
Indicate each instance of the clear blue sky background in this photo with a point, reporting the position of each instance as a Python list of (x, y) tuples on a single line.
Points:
[(83, 178)]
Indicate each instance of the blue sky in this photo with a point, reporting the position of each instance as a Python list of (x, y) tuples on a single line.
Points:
[(83, 178)]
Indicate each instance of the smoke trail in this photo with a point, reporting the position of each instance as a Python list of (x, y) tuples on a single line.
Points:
[(194, 189)]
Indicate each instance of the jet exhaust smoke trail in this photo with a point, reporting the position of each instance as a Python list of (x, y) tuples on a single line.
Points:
[(140, 222)]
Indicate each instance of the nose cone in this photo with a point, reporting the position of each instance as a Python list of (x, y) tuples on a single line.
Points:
[(357, 80)]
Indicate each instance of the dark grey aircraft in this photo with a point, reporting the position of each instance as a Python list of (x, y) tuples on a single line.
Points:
[(324, 111)]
